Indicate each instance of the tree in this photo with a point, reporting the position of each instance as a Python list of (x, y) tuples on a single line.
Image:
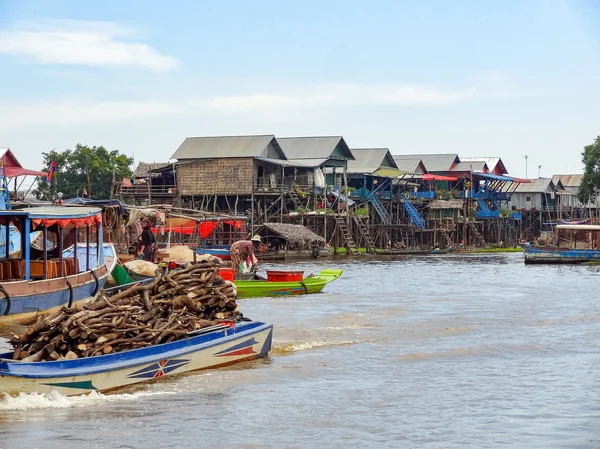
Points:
[(590, 183), (89, 169)]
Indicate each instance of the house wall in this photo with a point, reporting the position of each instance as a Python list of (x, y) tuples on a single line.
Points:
[(226, 176), (519, 200), (537, 200)]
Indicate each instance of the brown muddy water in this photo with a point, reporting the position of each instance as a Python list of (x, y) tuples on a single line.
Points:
[(447, 351)]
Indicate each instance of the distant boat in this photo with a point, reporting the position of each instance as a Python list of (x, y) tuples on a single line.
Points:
[(578, 243)]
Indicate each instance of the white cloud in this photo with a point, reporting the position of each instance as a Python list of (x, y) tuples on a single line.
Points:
[(82, 43), (339, 95), (300, 101), (77, 112)]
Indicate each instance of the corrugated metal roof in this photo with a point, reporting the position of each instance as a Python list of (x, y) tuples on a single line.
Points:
[(309, 163), (227, 147), (144, 168), (410, 165), (315, 147), (491, 162), (568, 180), (433, 162), (540, 185), (368, 160), (475, 166)]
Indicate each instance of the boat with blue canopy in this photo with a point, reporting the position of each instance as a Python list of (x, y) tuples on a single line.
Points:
[(35, 281)]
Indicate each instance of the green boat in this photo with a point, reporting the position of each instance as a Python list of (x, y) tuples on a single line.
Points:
[(310, 284)]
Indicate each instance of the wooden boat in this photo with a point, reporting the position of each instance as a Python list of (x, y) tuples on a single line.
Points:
[(309, 284), (221, 251), (207, 348), (575, 244), (441, 251), (39, 281)]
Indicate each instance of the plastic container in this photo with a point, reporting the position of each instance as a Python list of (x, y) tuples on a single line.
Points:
[(284, 276), (227, 274)]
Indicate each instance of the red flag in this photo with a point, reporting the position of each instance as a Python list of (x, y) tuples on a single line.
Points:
[(51, 171)]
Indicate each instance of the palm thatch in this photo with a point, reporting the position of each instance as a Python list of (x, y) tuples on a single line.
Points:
[(294, 234)]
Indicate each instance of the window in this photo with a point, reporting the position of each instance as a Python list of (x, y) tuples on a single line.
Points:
[(527, 198)]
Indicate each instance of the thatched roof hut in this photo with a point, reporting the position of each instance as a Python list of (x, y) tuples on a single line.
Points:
[(297, 235)]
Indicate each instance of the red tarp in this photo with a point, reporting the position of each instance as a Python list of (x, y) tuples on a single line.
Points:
[(14, 168), (205, 228), (64, 222), (429, 177)]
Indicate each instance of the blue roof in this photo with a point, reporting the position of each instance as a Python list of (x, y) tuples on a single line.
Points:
[(494, 177), (61, 212)]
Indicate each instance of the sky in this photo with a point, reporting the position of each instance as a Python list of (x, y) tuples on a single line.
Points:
[(477, 78)]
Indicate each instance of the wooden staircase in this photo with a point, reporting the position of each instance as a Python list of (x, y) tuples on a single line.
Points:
[(446, 236), (341, 224), (476, 233), (295, 198), (364, 231)]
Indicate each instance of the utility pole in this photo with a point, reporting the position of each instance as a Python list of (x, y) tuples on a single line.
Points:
[(539, 168), (526, 166)]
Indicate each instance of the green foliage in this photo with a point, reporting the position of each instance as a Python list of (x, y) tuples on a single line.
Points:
[(499, 250), (89, 168), (590, 184), (362, 212)]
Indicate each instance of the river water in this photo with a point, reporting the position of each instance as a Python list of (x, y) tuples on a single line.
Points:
[(445, 351)]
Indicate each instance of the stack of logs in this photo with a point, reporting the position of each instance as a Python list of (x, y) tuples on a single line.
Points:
[(164, 310)]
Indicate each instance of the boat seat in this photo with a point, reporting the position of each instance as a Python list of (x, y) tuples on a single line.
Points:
[(36, 269)]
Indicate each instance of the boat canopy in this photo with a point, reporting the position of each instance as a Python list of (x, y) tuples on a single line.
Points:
[(64, 216), (578, 227)]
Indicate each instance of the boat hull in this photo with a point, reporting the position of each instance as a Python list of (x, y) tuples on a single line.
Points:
[(222, 252), (258, 288), (244, 341), (553, 255)]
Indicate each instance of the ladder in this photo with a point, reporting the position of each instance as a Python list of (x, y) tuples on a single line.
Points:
[(477, 233), (295, 198), (413, 213), (446, 236), (386, 218), (341, 224), (369, 243)]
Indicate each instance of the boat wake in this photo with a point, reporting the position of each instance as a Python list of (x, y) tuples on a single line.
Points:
[(55, 400), (289, 347)]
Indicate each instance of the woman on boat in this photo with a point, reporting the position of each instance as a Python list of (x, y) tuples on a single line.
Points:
[(242, 250)]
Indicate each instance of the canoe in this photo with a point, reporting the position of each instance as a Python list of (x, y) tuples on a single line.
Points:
[(220, 251), (441, 251), (310, 284), (218, 346)]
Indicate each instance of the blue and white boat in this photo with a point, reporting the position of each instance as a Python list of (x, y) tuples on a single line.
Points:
[(41, 280), (36, 275), (207, 348), (574, 244)]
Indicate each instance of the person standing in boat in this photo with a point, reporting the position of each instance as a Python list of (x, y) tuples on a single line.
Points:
[(242, 250), (148, 244)]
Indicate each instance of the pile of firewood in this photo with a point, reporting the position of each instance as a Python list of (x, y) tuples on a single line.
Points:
[(164, 310)]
